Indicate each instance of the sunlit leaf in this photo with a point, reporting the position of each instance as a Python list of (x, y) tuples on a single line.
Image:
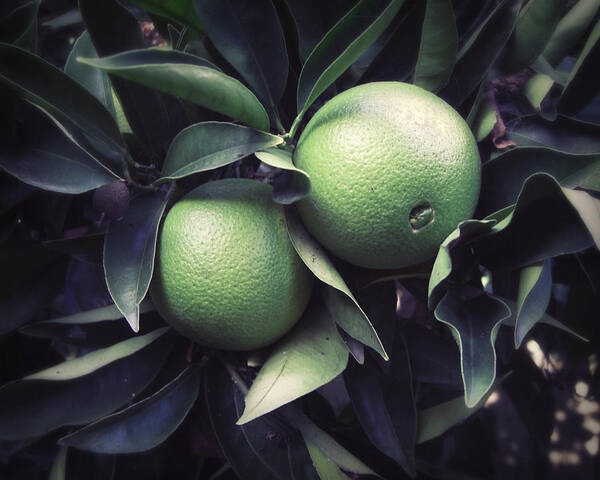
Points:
[(542, 93), (326, 468)]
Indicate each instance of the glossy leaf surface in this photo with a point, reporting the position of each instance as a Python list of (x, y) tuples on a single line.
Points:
[(292, 184)]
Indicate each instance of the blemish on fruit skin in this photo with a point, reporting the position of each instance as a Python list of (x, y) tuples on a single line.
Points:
[(420, 216)]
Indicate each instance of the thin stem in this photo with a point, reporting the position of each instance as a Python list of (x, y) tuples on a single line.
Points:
[(235, 376)]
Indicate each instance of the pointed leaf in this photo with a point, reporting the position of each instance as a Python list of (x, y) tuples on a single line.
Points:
[(582, 85), (18, 24), (180, 11), (250, 39), (326, 469), (341, 46), (208, 145), (485, 119), (95, 81), (143, 425), (439, 44), (81, 390), (480, 51), (536, 24), (339, 299), (292, 184), (79, 113), (542, 93), (58, 471), (588, 208), (129, 248), (311, 355), (190, 78), (535, 287)]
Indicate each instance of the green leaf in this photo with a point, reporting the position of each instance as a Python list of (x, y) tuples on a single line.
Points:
[(143, 425), (565, 134), (292, 184), (326, 469), (81, 390), (95, 81), (341, 47), (311, 355), (474, 321), (435, 421), (47, 159), (588, 208), (250, 39), (536, 24), (439, 44), (58, 471), (19, 24), (582, 85), (570, 29), (485, 118), (79, 113), (502, 177), (339, 299), (190, 78), (180, 11), (129, 248), (326, 444), (480, 51), (85, 248), (209, 145), (535, 287), (542, 93), (384, 403)]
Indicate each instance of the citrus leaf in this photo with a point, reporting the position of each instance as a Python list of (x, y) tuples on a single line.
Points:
[(340, 47), (143, 425), (250, 39), (535, 287), (484, 119), (480, 51), (569, 30), (385, 405), (326, 444), (95, 81), (47, 159), (247, 448), (80, 114), (209, 145), (129, 247), (339, 299), (19, 24), (541, 65), (58, 471), (535, 26), (85, 248), (474, 322), (292, 184), (542, 93), (435, 421), (588, 208), (189, 77), (502, 177), (565, 134), (439, 44), (326, 469), (582, 85), (309, 356), (180, 11), (154, 118), (81, 390)]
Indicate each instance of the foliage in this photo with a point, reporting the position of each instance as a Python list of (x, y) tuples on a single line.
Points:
[(384, 364)]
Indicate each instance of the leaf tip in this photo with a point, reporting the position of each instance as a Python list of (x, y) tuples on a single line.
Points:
[(133, 319)]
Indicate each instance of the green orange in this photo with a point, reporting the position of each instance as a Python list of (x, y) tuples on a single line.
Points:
[(226, 274), (393, 170)]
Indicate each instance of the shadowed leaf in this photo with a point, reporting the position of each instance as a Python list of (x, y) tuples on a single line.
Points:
[(292, 184)]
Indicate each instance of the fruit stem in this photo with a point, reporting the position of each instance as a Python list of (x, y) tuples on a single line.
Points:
[(237, 380)]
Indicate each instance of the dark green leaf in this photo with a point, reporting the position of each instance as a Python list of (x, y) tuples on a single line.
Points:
[(208, 145), (582, 85), (143, 425), (384, 404), (535, 287), (58, 471), (503, 177), (19, 25), (484, 118), (180, 11), (481, 50), (129, 248), (326, 468), (341, 47), (543, 94), (537, 21), (250, 39), (564, 134), (339, 299), (190, 78), (94, 80), (86, 248), (474, 321), (311, 355), (81, 390), (570, 29), (292, 184), (66, 19), (439, 43), (78, 112)]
